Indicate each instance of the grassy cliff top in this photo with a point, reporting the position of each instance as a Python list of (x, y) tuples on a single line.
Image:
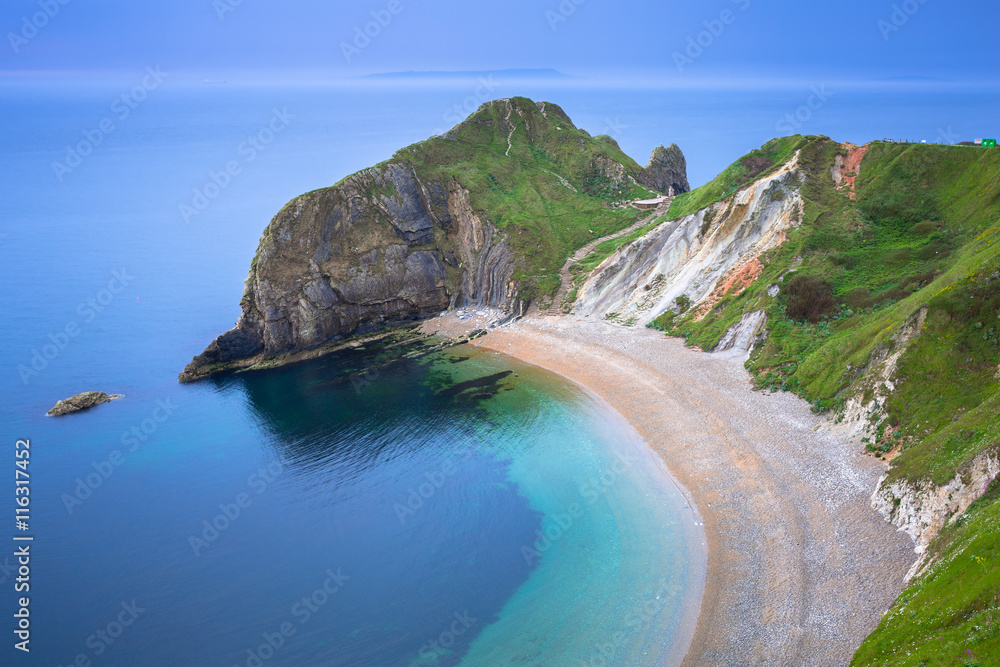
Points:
[(534, 174), (922, 237), (922, 231), (549, 185)]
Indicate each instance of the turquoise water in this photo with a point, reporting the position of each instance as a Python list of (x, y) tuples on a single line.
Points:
[(618, 557), (457, 509), (548, 533)]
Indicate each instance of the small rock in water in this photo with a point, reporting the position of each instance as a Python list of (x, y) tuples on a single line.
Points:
[(87, 399)]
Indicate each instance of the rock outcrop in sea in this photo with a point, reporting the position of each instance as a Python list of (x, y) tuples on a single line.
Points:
[(362, 257), (80, 402)]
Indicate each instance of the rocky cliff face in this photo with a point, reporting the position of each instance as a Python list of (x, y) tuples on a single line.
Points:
[(691, 264), (922, 510), (864, 407), (741, 338), (379, 250), (460, 220), (863, 279), (666, 171), (698, 259)]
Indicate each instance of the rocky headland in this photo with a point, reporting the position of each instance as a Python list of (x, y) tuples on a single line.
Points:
[(481, 217)]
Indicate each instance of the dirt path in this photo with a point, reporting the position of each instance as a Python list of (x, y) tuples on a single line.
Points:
[(561, 180), (510, 137), (800, 567), (566, 278)]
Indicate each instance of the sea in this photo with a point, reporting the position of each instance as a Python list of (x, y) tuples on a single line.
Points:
[(366, 508)]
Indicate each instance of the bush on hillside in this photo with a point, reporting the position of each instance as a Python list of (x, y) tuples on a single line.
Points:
[(859, 298), (755, 164), (924, 228), (808, 298)]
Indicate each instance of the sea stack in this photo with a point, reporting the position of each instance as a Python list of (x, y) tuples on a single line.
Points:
[(666, 171)]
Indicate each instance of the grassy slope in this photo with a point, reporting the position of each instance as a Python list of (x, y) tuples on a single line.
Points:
[(545, 220), (608, 248), (756, 164), (951, 614), (923, 231)]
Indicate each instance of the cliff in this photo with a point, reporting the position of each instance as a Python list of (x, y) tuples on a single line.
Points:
[(362, 257), (699, 258), (866, 279), (484, 215)]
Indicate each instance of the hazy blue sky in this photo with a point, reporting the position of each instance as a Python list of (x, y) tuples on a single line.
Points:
[(740, 39)]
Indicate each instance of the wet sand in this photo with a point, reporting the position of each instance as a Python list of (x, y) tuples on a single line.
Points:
[(800, 567)]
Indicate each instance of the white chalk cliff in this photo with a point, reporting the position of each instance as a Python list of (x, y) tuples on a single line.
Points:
[(702, 256)]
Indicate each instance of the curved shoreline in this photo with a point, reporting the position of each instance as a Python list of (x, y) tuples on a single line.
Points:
[(697, 545), (800, 567), (651, 513)]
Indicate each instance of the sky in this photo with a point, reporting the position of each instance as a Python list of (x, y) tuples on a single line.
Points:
[(671, 43)]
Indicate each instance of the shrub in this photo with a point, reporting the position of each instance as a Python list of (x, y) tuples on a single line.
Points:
[(900, 255), (924, 228), (938, 249), (808, 298), (755, 164), (859, 298), (920, 280)]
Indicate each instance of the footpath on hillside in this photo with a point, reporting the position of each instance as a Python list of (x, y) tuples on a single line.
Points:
[(565, 274)]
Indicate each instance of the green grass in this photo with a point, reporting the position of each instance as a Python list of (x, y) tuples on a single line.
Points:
[(607, 248), (951, 614), (923, 231), (872, 246), (948, 401), (754, 165), (545, 221)]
